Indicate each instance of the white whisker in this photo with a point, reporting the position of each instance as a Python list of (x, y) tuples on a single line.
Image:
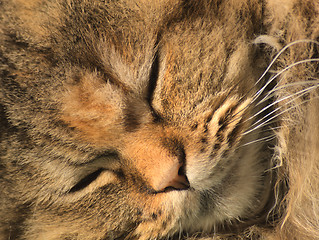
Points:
[(264, 139), (180, 231), (273, 117), (272, 92), (298, 94), (272, 128), (281, 51), (259, 92), (272, 63)]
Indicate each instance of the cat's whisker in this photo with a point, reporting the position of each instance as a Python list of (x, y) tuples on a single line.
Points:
[(272, 128), (301, 93), (277, 56), (288, 122), (298, 94), (267, 122), (259, 92), (272, 92), (264, 139), (281, 51)]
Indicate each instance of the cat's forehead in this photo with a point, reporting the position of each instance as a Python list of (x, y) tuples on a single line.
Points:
[(177, 61)]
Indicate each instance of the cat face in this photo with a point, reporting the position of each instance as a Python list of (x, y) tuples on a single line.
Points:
[(172, 114), (143, 122)]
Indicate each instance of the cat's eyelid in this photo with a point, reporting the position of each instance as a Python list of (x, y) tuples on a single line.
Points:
[(109, 164), (108, 161), (109, 156), (86, 181), (92, 181), (154, 73), (101, 170)]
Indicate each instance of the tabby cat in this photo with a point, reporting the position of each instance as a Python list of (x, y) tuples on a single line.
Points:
[(165, 119)]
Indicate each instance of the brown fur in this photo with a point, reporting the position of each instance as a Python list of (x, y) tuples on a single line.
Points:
[(109, 109)]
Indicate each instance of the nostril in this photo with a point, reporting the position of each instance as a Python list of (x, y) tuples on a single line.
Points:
[(179, 182), (181, 170), (173, 178)]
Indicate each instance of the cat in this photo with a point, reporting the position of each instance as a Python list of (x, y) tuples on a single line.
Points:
[(172, 119)]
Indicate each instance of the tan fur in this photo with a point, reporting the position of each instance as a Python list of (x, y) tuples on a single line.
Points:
[(149, 120)]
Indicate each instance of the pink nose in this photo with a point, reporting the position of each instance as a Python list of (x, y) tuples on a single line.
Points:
[(172, 179), (180, 182), (158, 163)]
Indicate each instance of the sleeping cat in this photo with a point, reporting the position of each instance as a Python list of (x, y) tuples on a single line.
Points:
[(171, 119)]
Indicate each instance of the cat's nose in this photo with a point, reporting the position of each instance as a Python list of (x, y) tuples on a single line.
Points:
[(159, 161), (179, 182), (172, 179)]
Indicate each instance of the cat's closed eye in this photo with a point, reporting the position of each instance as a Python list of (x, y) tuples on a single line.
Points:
[(100, 171)]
